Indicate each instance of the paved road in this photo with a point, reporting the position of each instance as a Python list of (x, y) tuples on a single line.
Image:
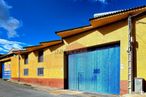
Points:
[(9, 89)]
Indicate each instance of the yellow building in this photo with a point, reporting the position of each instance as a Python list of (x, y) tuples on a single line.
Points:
[(5, 66), (35, 65), (92, 58)]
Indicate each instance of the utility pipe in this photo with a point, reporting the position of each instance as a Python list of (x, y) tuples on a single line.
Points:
[(19, 66), (130, 55)]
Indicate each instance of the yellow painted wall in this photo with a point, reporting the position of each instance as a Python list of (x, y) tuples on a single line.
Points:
[(8, 65), (52, 64), (141, 47), (111, 33), (14, 66), (54, 56)]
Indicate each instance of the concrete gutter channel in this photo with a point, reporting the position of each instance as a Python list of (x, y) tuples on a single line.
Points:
[(69, 93)]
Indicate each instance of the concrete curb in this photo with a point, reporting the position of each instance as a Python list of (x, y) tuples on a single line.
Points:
[(134, 95)]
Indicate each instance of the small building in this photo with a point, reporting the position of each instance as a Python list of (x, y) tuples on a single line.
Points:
[(35, 67), (91, 58), (6, 69)]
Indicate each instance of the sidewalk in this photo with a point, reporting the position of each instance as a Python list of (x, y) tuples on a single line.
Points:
[(58, 92), (64, 93), (135, 95)]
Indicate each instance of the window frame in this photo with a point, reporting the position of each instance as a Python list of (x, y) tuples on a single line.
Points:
[(41, 56), (25, 73), (39, 72), (26, 59)]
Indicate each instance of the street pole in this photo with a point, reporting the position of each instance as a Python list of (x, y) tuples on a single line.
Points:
[(19, 66), (130, 56)]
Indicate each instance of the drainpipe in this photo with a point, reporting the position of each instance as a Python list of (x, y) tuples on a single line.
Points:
[(19, 67), (130, 56), (131, 52)]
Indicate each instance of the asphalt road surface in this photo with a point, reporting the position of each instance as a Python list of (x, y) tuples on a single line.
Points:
[(9, 89)]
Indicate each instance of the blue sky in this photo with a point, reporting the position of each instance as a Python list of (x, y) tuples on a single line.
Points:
[(28, 22)]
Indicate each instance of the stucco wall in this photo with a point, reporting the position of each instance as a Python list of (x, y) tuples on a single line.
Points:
[(140, 29), (54, 56), (14, 66)]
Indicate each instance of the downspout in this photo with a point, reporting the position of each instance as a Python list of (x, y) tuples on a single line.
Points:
[(130, 55), (19, 67)]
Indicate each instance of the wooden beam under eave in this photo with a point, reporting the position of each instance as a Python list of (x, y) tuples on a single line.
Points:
[(74, 31), (5, 59), (51, 43)]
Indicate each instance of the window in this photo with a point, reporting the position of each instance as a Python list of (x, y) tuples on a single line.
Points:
[(26, 59), (40, 71), (40, 56), (25, 72)]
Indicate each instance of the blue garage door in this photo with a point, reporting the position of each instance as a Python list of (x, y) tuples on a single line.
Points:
[(6, 73), (95, 70)]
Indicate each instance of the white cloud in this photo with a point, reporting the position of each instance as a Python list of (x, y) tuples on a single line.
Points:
[(7, 22), (6, 45)]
